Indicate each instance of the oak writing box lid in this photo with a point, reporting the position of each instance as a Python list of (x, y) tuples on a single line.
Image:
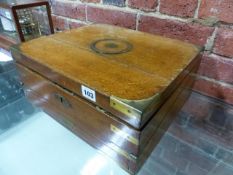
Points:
[(126, 72)]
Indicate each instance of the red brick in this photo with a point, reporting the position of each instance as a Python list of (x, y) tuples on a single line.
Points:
[(200, 128), (119, 3), (197, 106), (70, 10), (173, 159), (222, 9), (222, 169), (225, 156), (114, 17), (161, 166), (196, 157), (195, 170), (93, 1), (146, 5), (224, 42), (145, 171), (193, 33), (217, 67), (182, 8), (75, 24), (183, 134), (206, 146), (224, 93), (59, 23), (168, 143)]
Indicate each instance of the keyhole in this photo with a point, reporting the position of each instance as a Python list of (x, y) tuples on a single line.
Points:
[(61, 99)]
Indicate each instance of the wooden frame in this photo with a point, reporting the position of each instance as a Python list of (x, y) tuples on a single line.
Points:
[(13, 7)]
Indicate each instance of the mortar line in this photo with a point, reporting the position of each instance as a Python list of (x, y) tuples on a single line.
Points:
[(126, 3), (210, 41), (196, 14), (129, 10), (158, 6), (70, 19), (137, 21), (86, 12), (221, 83)]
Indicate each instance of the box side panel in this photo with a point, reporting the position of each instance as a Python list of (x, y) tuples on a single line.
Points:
[(79, 113)]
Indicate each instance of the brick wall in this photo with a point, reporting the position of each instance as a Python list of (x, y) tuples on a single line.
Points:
[(203, 22)]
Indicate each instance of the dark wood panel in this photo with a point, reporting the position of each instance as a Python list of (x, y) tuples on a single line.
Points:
[(80, 113), (95, 142)]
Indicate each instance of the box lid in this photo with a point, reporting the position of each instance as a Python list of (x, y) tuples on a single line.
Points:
[(132, 68)]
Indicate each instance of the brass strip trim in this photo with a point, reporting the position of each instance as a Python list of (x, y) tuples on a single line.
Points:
[(123, 153), (124, 135), (125, 108)]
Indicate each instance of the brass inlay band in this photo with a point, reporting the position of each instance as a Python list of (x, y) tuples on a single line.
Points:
[(111, 46), (125, 109), (124, 135), (123, 153)]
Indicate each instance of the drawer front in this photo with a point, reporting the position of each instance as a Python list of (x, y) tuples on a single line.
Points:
[(75, 112)]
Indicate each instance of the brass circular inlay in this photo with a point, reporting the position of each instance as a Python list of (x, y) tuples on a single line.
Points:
[(111, 46)]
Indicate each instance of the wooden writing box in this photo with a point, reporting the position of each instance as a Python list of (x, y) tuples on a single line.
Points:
[(116, 88)]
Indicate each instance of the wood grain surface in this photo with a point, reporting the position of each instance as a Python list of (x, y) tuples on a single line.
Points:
[(142, 72)]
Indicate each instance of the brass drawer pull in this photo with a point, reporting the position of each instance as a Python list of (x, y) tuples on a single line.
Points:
[(62, 100)]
